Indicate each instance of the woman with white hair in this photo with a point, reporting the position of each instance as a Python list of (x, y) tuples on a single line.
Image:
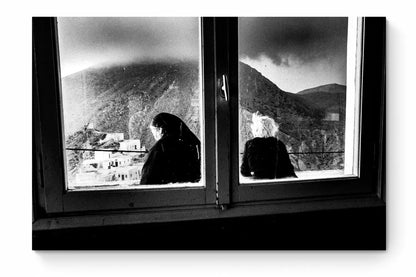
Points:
[(265, 156)]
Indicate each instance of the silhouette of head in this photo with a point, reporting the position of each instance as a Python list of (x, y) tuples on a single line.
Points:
[(166, 124)]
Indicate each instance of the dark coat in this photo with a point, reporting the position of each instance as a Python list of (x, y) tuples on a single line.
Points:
[(171, 160), (266, 158)]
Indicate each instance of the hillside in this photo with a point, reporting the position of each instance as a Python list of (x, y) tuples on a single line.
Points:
[(300, 117), (257, 93), (329, 98), (125, 98), (330, 88)]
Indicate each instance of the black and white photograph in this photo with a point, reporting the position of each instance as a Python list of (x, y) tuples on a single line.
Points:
[(215, 125), (179, 138)]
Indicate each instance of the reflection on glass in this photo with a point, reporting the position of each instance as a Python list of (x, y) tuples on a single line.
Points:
[(293, 72), (117, 74)]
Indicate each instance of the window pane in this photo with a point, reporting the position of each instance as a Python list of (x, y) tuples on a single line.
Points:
[(117, 74), (293, 92)]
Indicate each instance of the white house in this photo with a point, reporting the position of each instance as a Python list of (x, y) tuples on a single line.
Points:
[(331, 116), (90, 125), (93, 165), (102, 155), (127, 173), (120, 160), (94, 172), (107, 167), (131, 145)]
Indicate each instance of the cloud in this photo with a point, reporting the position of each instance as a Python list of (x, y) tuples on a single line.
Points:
[(286, 41), (116, 40), (294, 39)]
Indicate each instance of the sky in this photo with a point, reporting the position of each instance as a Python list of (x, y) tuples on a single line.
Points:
[(295, 53), (85, 42)]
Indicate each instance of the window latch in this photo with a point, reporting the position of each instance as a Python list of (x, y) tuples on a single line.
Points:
[(221, 207), (224, 87)]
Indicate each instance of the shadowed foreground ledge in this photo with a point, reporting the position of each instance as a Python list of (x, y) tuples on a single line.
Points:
[(351, 229)]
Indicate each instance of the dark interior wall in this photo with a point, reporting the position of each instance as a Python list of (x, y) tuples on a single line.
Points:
[(350, 229)]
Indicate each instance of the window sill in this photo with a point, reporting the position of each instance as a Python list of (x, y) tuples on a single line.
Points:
[(205, 212), (312, 175), (129, 186)]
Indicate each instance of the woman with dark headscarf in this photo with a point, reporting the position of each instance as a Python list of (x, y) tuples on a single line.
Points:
[(176, 156)]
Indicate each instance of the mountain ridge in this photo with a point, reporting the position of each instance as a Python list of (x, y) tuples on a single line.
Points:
[(329, 98), (332, 88)]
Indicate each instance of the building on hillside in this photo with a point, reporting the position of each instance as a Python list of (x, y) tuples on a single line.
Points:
[(331, 116), (131, 145), (93, 165), (106, 168), (127, 173), (120, 160), (93, 172), (90, 126), (102, 155)]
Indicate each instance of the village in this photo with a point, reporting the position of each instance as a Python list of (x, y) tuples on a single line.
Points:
[(111, 167)]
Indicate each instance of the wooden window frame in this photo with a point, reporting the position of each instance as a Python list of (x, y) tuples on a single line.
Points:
[(222, 196), (50, 148), (372, 93)]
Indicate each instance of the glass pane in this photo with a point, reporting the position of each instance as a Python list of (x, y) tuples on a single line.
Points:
[(293, 92), (117, 75)]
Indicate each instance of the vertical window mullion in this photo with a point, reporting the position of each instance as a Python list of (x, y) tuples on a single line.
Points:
[(208, 83), (223, 123), (233, 56)]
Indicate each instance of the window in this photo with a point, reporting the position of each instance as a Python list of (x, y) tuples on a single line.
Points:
[(82, 114), (293, 77), (114, 122), (315, 141), (117, 74)]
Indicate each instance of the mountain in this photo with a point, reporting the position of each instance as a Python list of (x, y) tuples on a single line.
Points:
[(330, 88), (257, 93), (125, 98), (328, 98)]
